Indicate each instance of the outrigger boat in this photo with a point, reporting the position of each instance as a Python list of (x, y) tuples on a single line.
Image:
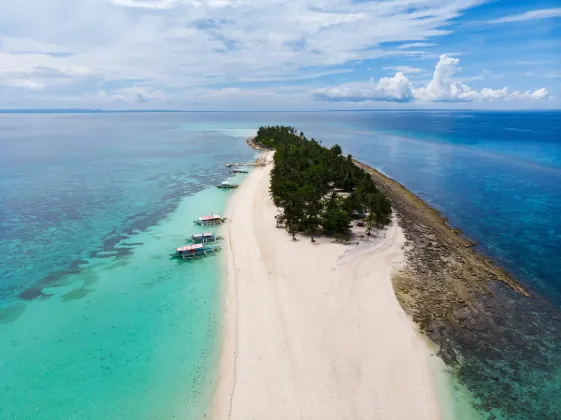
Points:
[(212, 220), (227, 185), (239, 171), (203, 238), (194, 251)]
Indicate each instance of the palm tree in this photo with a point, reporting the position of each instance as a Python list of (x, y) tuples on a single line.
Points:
[(370, 222)]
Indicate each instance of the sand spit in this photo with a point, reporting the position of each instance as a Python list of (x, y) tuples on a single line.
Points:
[(315, 331)]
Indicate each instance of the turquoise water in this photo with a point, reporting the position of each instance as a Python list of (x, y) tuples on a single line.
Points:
[(91, 205), (96, 321)]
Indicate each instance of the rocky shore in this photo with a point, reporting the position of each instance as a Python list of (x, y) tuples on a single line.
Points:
[(486, 326), (254, 145), (444, 276)]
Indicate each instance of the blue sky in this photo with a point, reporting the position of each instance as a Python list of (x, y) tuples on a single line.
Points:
[(275, 54)]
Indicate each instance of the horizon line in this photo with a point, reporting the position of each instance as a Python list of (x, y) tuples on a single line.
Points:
[(117, 111)]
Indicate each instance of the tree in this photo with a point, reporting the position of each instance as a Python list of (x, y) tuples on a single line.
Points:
[(370, 222), (305, 171), (336, 150), (336, 221), (312, 209)]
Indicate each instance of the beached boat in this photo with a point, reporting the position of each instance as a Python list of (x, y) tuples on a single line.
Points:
[(214, 219), (227, 185), (239, 171), (194, 251), (203, 238)]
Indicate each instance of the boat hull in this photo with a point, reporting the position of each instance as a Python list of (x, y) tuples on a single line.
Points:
[(205, 252)]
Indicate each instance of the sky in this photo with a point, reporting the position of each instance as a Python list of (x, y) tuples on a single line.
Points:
[(280, 54)]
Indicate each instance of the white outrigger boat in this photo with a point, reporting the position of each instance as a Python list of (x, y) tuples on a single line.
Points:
[(239, 171), (194, 251), (227, 185), (212, 220), (203, 238)]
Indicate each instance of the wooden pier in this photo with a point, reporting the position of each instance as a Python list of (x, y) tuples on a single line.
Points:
[(228, 165)]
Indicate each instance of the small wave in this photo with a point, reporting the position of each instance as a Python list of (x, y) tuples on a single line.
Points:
[(518, 129)]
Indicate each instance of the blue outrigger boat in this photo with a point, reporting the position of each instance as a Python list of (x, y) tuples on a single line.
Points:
[(193, 251)]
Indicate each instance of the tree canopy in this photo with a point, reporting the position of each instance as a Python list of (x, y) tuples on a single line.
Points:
[(319, 189)]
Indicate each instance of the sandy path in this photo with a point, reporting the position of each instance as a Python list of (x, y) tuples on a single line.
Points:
[(314, 331)]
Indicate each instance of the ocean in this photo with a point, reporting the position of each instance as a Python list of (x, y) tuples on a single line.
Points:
[(97, 322)]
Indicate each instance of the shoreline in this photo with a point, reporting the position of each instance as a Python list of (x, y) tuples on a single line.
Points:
[(315, 330), (447, 285), (401, 197)]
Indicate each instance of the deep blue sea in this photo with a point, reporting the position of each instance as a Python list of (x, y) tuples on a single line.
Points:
[(96, 323)]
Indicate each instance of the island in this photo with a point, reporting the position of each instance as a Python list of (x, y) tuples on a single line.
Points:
[(347, 296)]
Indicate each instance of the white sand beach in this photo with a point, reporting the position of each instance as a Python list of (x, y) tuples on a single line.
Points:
[(314, 331)]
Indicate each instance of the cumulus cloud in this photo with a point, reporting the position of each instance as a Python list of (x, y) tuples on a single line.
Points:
[(537, 94), (388, 89), (441, 88)]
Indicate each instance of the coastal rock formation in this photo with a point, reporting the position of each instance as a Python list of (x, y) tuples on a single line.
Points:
[(483, 321)]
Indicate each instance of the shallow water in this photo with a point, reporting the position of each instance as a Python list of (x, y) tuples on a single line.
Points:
[(118, 330)]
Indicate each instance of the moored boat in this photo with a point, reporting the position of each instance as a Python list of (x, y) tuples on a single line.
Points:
[(203, 238), (239, 171), (194, 251), (211, 220), (227, 185)]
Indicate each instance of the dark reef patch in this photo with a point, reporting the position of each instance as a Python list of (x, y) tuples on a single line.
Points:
[(504, 345)]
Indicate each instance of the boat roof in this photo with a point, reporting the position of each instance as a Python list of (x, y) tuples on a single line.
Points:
[(225, 182), (213, 217), (200, 235), (189, 248)]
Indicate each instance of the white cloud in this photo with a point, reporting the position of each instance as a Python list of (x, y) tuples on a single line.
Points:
[(538, 94), (415, 45), (157, 51), (487, 94), (145, 4), (404, 69), (442, 88), (531, 15), (177, 44), (139, 94), (388, 89), (24, 84)]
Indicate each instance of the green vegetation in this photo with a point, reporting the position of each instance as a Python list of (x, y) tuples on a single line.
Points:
[(319, 189)]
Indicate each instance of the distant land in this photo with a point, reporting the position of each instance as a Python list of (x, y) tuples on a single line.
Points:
[(78, 111), (125, 111)]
